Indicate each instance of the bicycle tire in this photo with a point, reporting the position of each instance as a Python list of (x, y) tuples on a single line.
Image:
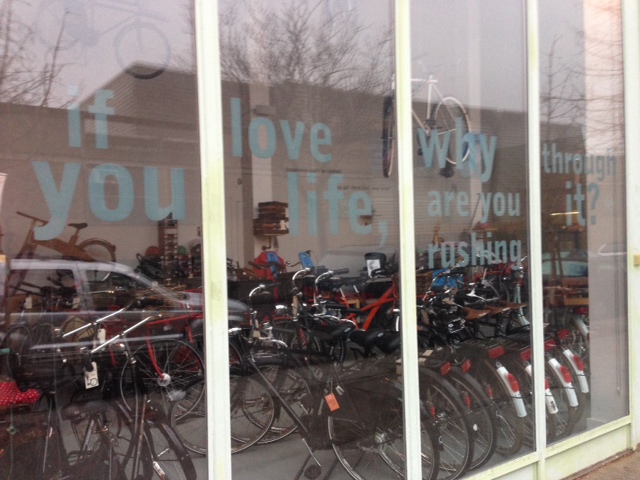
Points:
[(19, 341), (446, 116), (104, 440), (187, 417), (98, 249), (162, 455), (252, 411), (295, 391), (478, 407), (441, 398), (364, 446), (567, 416), (168, 457), (583, 397), (167, 367), (142, 39), (74, 322), (511, 427), (388, 135), (50, 23), (516, 367)]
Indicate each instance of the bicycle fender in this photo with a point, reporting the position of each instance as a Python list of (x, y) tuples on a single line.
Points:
[(582, 378), (549, 400), (516, 397), (568, 386)]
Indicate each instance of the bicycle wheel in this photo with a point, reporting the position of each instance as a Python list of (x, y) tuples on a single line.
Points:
[(252, 411), (167, 367), (523, 374), (165, 453), (511, 428), (441, 399), (59, 26), (451, 117), (295, 391), (480, 413), (188, 417), (104, 439), (142, 50), (388, 135), (366, 443), (19, 340), (579, 376), (564, 396), (99, 250), (72, 323)]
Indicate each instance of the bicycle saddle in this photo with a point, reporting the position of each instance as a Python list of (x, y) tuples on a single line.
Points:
[(79, 226)]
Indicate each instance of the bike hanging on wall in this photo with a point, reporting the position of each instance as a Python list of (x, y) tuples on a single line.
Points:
[(446, 117)]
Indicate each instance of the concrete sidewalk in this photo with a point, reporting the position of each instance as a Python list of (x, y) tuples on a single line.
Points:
[(625, 466)]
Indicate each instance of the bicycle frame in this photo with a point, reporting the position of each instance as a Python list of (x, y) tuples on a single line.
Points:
[(66, 248)]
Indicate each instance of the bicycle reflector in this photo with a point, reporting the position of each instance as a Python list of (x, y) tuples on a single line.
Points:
[(466, 366), (566, 374), (466, 398), (578, 361), (525, 355), (563, 334), (496, 352), (581, 310), (513, 382), (445, 368)]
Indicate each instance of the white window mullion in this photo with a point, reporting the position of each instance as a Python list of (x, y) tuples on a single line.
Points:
[(631, 62), (407, 239), (214, 267), (534, 260)]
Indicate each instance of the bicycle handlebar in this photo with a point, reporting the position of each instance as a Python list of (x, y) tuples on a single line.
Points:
[(35, 219), (331, 273), (304, 271), (122, 334), (262, 287), (92, 324)]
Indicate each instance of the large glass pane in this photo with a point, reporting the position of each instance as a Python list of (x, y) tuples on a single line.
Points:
[(583, 201), (470, 164), (312, 219), (100, 220)]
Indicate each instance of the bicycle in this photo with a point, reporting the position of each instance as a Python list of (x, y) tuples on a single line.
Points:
[(90, 250), (62, 24), (445, 115), (355, 412), (165, 362), (113, 439)]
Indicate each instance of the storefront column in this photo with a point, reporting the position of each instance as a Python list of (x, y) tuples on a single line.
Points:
[(631, 52), (213, 233), (535, 230)]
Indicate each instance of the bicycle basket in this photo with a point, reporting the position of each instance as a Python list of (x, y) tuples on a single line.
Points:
[(33, 363)]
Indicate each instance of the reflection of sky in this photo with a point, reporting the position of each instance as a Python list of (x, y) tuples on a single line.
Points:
[(476, 48), (87, 60)]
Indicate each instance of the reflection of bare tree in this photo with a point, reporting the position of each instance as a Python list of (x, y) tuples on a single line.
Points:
[(23, 77), (296, 42), (586, 83), (562, 98), (581, 107)]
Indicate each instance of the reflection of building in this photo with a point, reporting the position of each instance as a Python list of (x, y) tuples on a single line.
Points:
[(308, 147)]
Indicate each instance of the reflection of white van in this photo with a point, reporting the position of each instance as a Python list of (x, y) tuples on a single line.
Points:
[(60, 290), (57, 290)]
